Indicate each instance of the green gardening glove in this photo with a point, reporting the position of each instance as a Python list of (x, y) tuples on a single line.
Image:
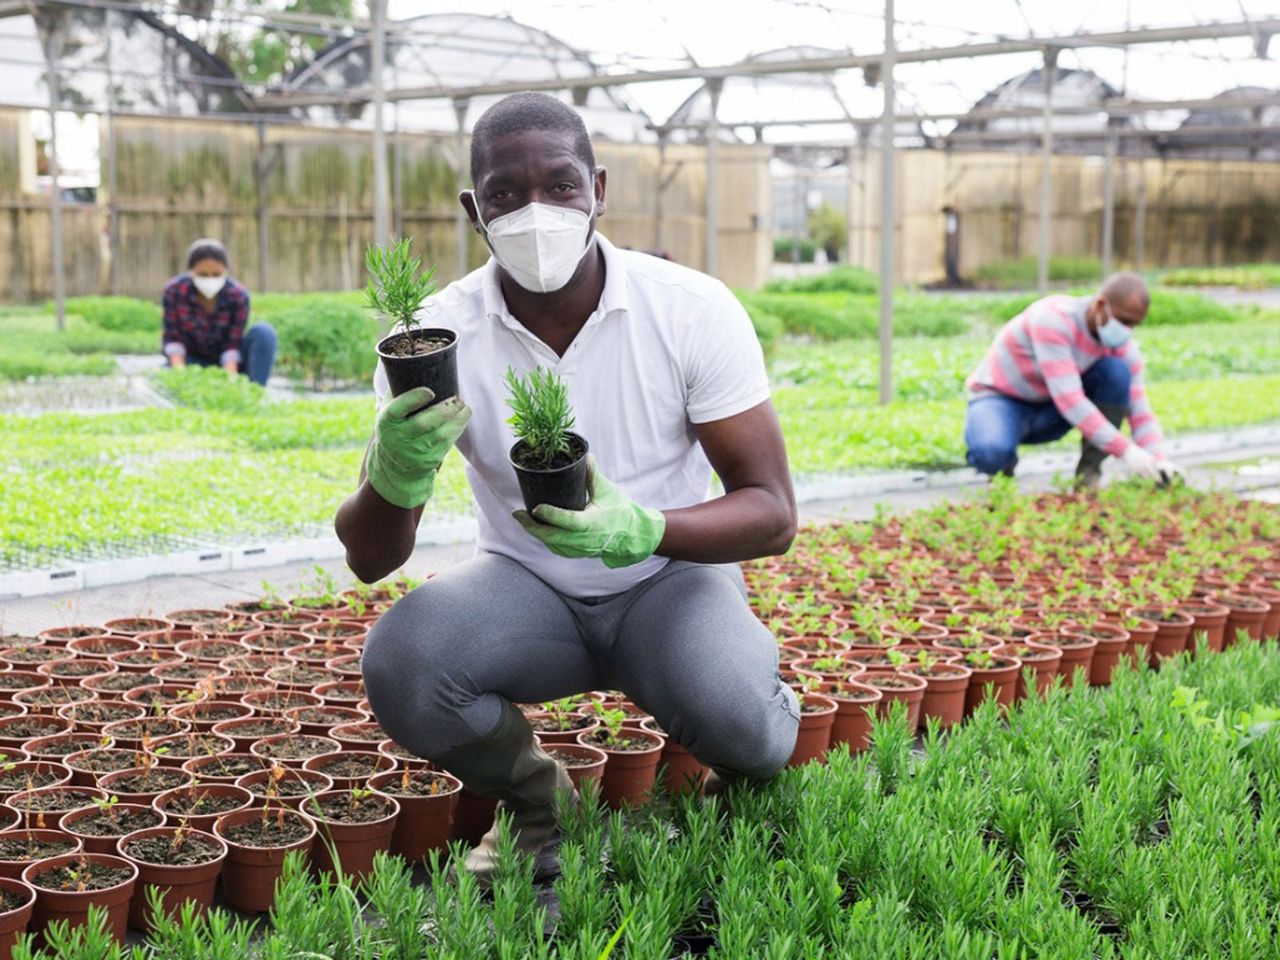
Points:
[(408, 447), (617, 530)]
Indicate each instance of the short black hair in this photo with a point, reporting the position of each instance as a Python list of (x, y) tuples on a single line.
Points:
[(206, 248), (528, 111)]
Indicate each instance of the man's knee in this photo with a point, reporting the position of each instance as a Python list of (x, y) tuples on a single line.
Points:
[(750, 738), (1108, 381), (991, 458), (262, 334)]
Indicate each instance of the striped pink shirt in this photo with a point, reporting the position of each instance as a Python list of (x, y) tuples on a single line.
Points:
[(1040, 355)]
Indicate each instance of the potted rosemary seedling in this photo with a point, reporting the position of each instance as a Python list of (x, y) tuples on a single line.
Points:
[(412, 357), (550, 460)]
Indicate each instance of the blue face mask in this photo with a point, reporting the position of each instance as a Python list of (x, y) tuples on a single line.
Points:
[(1113, 333)]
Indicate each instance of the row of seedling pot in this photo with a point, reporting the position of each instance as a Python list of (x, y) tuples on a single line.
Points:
[(549, 459)]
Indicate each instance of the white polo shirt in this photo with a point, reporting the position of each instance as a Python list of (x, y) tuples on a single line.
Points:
[(667, 347)]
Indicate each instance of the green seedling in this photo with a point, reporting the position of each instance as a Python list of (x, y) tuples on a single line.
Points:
[(397, 283), (540, 415)]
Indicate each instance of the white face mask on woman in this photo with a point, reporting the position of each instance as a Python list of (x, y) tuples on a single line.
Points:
[(540, 244), (209, 286)]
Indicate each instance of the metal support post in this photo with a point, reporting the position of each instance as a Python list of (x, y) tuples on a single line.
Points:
[(1109, 203), (887, 225), (377, 62), (711, 257), (1046, 174), (461, 223)]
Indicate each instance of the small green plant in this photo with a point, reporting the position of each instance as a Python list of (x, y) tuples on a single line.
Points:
[(540, 415), (612, 719), (397, 283)]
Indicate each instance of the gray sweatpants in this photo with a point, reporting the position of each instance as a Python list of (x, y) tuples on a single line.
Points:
[(684, 645)]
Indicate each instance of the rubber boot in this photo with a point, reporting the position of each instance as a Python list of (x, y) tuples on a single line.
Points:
[(1089, 469), (510, 765)]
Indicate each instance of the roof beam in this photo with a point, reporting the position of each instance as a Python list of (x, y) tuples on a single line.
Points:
[(1122, 38)]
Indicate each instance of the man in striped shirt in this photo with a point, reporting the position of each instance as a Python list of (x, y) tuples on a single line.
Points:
[(1068, 362)]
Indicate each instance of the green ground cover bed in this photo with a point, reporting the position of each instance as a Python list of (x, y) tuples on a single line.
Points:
[(82, 486), (1247, 276), (1094, 823)]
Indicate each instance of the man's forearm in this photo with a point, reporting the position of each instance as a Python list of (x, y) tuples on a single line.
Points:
[(379, 536), (741, 525)]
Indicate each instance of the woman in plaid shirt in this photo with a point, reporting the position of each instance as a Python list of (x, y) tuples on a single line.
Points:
[(205, 314)]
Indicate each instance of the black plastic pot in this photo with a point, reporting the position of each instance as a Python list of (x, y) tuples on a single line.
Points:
[(564, 487), (436, 371)]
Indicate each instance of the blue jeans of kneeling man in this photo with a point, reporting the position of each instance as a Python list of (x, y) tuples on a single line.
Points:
[(995, 425)]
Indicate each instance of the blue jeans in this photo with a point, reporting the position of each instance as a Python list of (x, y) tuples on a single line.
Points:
[(995, 424), (257, 354)]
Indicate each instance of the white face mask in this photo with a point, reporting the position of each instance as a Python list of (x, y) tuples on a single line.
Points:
[(209, 286), (1113, 333), (540, 244)]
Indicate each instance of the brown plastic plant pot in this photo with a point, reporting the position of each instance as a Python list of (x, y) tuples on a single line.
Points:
[(1142, 634), (1078, 650), (1271, 625), (12, 868), (14, 922), (998, 681), (313, 783), (72, 906), (1112, 641), (135, 626), (1171, 637), (246, 731), (184, 803), (377, 763), (321, 727), (943, 700), (1247, 615), (358, 735), (581, 762), (269, 749), (897, 687), (59, 746), (813, 738), (83, 775), (680, 770), (41, 808), (187, 619), (224, 767), (202, 716), (13, 735), (177, 883), (587, 723), (1208, 618), (161, 780), (42, 773), (855, 706), (210, 653), (250, 873), (106, 843), (349, 848), (426, 820), (19, 681), (1040, 659), (278, 703), (629, 775)]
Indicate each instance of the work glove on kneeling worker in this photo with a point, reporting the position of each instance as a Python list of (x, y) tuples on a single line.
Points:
[(612, 527), (410, 443)]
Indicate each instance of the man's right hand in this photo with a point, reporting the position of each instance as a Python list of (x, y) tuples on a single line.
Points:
[(410, 443), (1140, 463)]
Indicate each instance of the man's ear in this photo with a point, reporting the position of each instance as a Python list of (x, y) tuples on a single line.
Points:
[(600, 176), (468, 200)]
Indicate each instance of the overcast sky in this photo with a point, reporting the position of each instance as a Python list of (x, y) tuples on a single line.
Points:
[(666, 32)]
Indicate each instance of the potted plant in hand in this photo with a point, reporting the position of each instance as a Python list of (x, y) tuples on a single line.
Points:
[(549, 459), (426, 357)]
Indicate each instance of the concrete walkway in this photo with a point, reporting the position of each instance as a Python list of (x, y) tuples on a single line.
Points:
[(899, 491)]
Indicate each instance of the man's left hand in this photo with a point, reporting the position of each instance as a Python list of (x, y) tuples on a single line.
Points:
[(617, 530), (1170, 471)]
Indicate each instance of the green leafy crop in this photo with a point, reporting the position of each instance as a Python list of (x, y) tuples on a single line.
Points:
[(397, 282), (540, 414)]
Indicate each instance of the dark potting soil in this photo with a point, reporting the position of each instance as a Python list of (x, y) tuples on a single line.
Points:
[(189, 671), (336, 630), (30, 727), (67, 799), (18, 850), (200, 803), (105, 760), (891, 682), (232, 766), (363, 733), (808, 706), (321, 715), (273, 640), (196, 745), (288, 618), (10, 901), (217, 649), (16, 780), (415, 346), (138, 626), (148, 726), (55, 696), (117, 682), (296, 748), (189, 850), (102, 712), (76, 668), (35, 654), (286, 787), (89, 876), (61, 748), (339, 808), (299, 675), (560, 725), (16, 682), (421, 784), (214, 714), (265, 727), (523, 457), (568, 759), (273, 832), (242, 684), (351, 766), (622, 743), (155, 780), (117, 824)]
